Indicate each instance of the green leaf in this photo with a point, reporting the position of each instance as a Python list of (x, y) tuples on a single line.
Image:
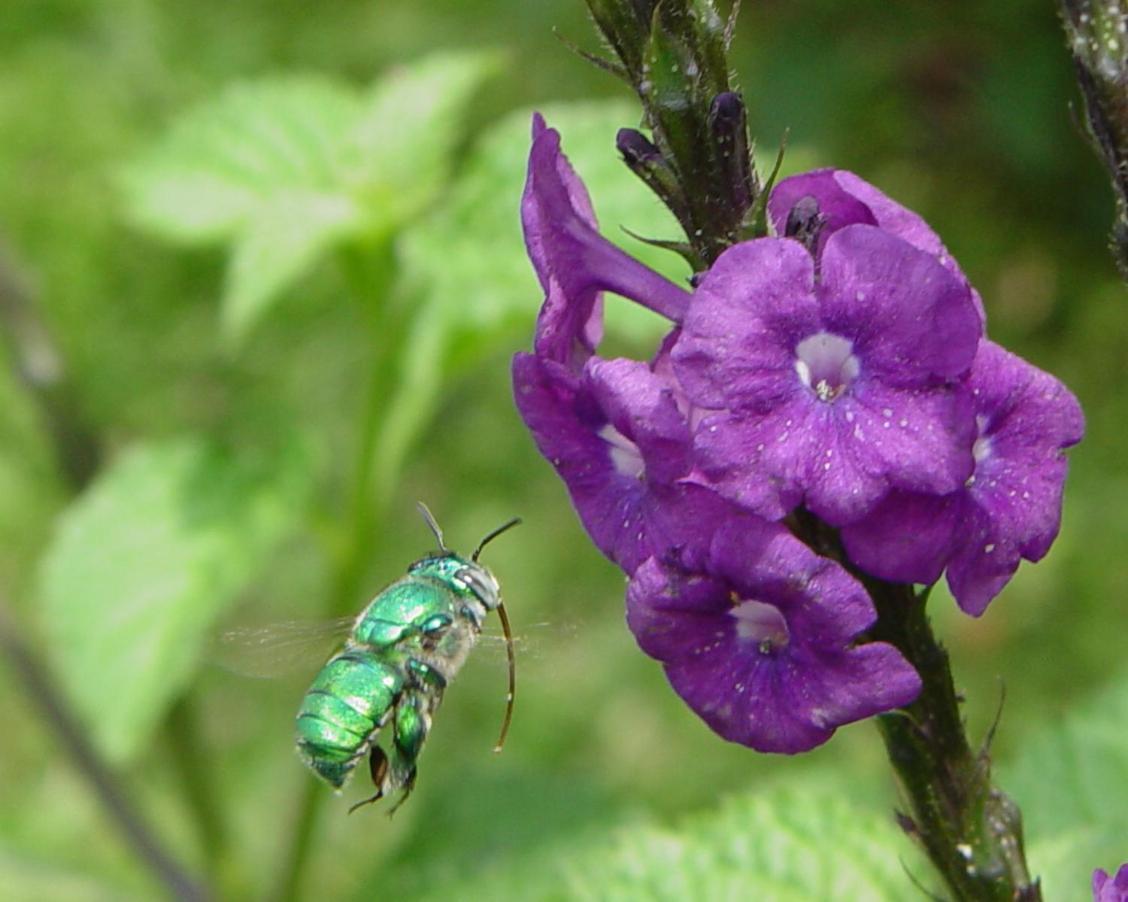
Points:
[(221, 161), (399, 153), (287, 234), (285, 169), (469, 257), (143, 563), (43, 879), (798, 842), (1071, 782)]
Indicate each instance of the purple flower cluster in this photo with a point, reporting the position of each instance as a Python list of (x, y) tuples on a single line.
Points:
[(1110, 889), (839, 368)]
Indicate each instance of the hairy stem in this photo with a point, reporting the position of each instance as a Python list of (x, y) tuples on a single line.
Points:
[(971, 831)]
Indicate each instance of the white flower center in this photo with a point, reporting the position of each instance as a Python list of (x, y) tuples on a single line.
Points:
[(625, 455), (981, 450), (826, 364), (760, 623)]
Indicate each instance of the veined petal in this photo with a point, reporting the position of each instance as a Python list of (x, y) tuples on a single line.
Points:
[(573, 261), (750, 311), (909, 317), (760, 639)]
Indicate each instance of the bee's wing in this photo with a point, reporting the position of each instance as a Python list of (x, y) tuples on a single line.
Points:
[(530, 640), (279, 648)]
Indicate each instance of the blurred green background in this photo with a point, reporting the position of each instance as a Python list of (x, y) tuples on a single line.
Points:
[(232, 455)]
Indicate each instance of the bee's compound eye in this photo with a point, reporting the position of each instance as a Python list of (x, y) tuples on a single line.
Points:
[(435, 625), (477, 581)]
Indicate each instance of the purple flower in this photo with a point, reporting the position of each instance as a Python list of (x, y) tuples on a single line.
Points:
[(1009, 508), (759, 638), (615, 435), (831, 384), (574, 262), (1110, 889), (844, 199), (616, 430)]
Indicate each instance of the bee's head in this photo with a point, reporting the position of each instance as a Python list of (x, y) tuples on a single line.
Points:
[(466, 576)]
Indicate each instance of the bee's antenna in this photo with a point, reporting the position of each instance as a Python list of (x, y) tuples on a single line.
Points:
[(509, 524), (429, 519), (512, 668), (491, 536)]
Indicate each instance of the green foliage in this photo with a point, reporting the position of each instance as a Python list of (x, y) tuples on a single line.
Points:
[(143, 563), (786, 844), (285, 169), (1072, 780)]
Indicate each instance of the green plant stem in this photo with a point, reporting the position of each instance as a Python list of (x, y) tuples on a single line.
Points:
[(374, 471), (191, 760), (177, 882), (41, 368), (970, 830)]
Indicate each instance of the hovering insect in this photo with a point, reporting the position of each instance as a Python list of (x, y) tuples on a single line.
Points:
[(404, 649)]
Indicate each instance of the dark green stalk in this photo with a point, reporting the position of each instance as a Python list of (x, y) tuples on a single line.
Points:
[(1098, 39), (369, 273), (196, 773), (698, 161), (970, 830)]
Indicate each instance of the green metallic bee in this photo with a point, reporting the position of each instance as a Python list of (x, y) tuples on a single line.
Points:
[(403, 651)]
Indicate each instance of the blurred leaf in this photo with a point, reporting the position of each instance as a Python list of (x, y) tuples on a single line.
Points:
[(286, 235), (797, 842), (482, 291), (44, 880), (399, 152), (1071, 782), (221, 161), (141, 566), (286, 168)]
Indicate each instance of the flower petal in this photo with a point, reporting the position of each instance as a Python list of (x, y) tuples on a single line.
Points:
[(642, 407), (738, 339), (908, 537), (908, 316), (629, 512), (787, 692), (573, 261)]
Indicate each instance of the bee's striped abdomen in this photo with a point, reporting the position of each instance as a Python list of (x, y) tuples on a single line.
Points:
[(349, 700)]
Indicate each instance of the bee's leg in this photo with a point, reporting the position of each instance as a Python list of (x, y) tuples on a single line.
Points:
[(378, 767), (412, 724), (426, 678), (408, 785)]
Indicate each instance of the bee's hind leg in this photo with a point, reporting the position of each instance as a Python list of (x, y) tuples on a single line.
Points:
[(378, 768)]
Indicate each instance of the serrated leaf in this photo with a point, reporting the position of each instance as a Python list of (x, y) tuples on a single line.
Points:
[(399, 152), (143, 563), (483, 289), (286, 168), (790, 844), (1071, 782), (220, 161)]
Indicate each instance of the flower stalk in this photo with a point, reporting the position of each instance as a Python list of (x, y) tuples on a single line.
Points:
[(768, 399), (673, 54), (1097, 31)]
